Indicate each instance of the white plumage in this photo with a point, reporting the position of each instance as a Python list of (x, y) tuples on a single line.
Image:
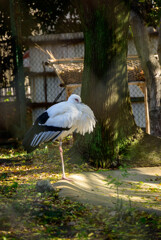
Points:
[(58, 121)]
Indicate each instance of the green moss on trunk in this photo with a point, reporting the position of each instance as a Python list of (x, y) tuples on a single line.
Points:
[(105, 82)]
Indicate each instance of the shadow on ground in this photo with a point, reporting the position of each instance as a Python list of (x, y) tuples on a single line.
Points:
[(138, 187)]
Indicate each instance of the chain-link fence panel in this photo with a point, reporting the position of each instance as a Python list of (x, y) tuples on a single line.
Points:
[(77, 91), (135, 91), (53, 89), (62, 47), (36, 113), (139, 114), (153, 41), (37, 90)]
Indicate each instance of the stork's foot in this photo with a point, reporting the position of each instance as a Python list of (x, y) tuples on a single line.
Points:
[(65, 178)]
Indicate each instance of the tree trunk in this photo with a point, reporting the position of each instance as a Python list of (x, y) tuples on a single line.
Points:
[(20, 129), (105, 82), (159, 42), (152, 71)]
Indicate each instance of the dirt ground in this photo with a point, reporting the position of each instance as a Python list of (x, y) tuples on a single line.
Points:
[(130, 188)]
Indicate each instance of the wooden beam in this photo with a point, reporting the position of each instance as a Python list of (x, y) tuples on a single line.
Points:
[(73, 85), (54, 42), (65, 61), (146, 110), (137, 99), (42, 74)]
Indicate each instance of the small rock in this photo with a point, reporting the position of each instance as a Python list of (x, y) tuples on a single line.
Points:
[(71, 223), (44, 186), (113, 213)]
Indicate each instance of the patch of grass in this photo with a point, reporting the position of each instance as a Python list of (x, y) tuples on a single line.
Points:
[(26, 214), (143, 152)]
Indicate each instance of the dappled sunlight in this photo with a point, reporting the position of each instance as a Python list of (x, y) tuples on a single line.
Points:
[(142, 187), (27, 213)]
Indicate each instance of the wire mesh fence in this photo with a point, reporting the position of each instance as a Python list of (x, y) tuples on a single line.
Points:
[(8, 94), (43, 86)]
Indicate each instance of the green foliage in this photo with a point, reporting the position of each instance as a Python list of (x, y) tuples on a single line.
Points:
[(149, 10), (124, 170), (37, 15), (116, 183), (27, 214), (8, 189), (103, 151), (32, 17)]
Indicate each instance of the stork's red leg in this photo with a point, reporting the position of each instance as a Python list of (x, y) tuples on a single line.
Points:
[(62, 160)]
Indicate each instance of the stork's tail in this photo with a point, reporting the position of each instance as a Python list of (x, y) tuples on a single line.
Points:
[(28, 139)]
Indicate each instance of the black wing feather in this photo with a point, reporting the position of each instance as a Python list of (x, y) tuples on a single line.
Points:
[(40, 133), (36, 129), (42, 118)]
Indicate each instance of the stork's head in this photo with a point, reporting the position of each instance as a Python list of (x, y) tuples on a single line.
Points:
[(74, 99)]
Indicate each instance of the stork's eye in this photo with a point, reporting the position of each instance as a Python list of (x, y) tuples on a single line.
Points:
[(76, 99)]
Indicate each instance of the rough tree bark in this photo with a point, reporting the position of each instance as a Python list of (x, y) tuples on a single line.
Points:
[(15, 20), (105, 82), (152, 71), (159, 42)]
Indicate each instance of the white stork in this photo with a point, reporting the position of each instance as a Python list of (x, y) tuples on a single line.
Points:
[(57, 122)]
